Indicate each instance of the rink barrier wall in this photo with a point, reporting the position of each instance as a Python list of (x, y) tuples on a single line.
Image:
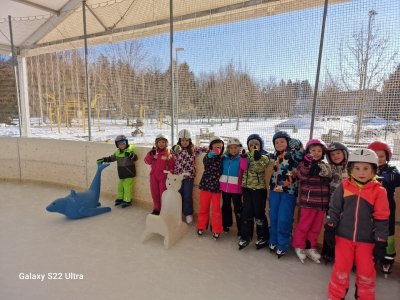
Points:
[(73, 164)]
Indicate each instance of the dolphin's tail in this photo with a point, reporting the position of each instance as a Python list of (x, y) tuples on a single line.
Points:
[(96, 182)]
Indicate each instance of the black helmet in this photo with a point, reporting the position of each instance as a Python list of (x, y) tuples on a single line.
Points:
[(281, 134), (337, 146), (121, 138)]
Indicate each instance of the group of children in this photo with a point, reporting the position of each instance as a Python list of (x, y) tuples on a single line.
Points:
[(352, 193)]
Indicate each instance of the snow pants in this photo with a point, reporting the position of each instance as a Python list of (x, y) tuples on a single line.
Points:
[(157, 187), (207, 200), (281, 211), (308, 228), (227, 220), (125, 189), (186, 192), (348, 253), (254, 202)]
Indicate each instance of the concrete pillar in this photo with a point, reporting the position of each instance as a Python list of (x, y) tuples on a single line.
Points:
[(24, 97)]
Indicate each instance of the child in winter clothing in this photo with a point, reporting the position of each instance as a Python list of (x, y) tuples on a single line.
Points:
[(210, 195), (184, 154), (389, 177), (125, 157), (254, 165), (314, 175), (336, 155), (159, 159), (283, 190), (230, 184), (358, 216)]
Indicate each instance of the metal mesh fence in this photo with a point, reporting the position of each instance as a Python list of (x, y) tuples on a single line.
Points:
[(253, 74)]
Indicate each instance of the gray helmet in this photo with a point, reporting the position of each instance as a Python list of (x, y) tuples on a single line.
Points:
[(363, 155), (234, 141), (161, 137), (184, 134)]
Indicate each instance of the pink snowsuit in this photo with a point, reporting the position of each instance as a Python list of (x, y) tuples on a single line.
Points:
[(159, 163)]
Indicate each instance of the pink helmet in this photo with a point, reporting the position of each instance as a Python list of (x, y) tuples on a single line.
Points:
[(314, 142), (378, 145)]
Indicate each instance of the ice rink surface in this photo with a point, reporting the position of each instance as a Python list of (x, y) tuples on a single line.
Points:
[(46, 256)]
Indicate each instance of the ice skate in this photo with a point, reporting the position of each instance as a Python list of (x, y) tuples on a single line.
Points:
[(199, 232), (261, 243), (243, 244), (215, 236), (280, 253), (189, 219), (126, 204), (118, 202), (387, 265), (272, 247), (313, 255), (300, 254)]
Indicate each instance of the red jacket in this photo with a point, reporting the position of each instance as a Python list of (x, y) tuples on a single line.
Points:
[(159, 163), (360, 214)]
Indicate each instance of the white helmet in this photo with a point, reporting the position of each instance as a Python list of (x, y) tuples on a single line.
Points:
[(184, 134), (161, 137), (234, 141), (363, 155)]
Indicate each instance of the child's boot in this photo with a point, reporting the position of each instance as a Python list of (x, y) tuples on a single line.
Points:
[(313, 255)]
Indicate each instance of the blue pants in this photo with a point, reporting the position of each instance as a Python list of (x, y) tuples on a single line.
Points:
[(281, 211), (186, 192)]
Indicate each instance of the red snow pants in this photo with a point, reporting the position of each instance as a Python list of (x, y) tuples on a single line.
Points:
[(348, 253), (157, 187), (208, 199)]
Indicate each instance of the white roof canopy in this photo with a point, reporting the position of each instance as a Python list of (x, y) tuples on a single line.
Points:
[(41, 26)]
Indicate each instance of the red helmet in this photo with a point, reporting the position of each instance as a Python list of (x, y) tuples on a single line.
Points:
[(378, 145)]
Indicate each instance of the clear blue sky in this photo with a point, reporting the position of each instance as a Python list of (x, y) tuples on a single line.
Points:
[(282, 46)]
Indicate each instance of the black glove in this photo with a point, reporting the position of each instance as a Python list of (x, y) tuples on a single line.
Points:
[(329, 236), (153, 151), (101, 160), (256, 155), (379, 250), (130, 155), (243, 154)]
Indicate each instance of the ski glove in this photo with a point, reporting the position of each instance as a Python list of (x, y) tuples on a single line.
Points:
[(379, 250), (325, 170), (256, 155), (243, 154), (100, 161), (294, 144), (308, 159), (176, 148), (153, 151), (329, 236), (130, 155)]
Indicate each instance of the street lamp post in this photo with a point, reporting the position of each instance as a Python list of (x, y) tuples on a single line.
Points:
[(177, 90), (371, 14)]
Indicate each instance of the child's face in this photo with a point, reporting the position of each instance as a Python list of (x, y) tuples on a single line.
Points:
[(280, 144), (121, 145), (362, 171), (381, 157), (316, 152), (185, 142), (254, 145), (217, 147), (336, 156), (161, 144), (233, 150)]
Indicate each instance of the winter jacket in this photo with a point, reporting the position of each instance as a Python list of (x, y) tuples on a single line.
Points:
[(212, 172), (360, 214), (284, 175), (389, 177), (125, 165), (231, 178), (314, 188), (159, 163), (185, 162), (254, 171)]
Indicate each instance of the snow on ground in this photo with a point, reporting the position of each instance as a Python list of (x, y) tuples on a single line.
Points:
[(106, 130)]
